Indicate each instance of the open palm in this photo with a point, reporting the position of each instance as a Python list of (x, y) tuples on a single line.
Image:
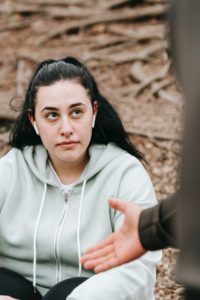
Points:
[(122, 246)]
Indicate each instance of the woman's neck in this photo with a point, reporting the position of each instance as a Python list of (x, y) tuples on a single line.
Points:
[(69, 172)]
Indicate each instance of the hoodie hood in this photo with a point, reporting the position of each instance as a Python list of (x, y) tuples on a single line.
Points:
[(100, 155)]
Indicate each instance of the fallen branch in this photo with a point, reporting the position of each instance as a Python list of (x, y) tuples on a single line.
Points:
[(137, 13), (10, 8), (156, 1), (15, 26), (52, 2), (119, 44), (71, 12), (124, 57), (176, 100), (143, 54), (114, 4), (36, 55), (154, 135), (110, 43), (120, 3), (144, 33), (137, 72), (168, 145), (113, 48), (152, 78), (157, 86), (55, 11)]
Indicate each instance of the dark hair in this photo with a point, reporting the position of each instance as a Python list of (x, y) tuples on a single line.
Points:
[(108, 126)]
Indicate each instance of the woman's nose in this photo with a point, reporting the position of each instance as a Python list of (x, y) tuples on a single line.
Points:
[(66, 126)]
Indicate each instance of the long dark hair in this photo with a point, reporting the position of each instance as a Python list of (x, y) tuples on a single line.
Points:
[(108, 126)]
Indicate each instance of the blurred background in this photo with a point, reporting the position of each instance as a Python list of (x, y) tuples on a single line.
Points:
[(125, 45)]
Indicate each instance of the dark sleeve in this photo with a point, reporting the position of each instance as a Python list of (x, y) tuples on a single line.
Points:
[(157, 225)]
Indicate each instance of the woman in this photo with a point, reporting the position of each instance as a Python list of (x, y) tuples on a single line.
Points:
[(70, 155)]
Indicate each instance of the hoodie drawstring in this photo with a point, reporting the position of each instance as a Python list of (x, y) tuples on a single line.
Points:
[(35, 236), (36, 231), (78, 229)]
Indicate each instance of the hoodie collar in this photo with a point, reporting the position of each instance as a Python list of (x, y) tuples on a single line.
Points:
[(100, 155)]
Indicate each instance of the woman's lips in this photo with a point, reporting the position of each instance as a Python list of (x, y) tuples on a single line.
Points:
[(68, 144)]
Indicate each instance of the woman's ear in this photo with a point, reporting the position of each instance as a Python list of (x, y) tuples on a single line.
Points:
[(95, 107), (31, 119)]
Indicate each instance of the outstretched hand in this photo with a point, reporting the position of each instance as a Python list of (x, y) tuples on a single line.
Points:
[(122, 246)]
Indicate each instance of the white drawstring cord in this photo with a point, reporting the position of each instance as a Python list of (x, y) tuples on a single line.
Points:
[(35, 236), (78, 230)]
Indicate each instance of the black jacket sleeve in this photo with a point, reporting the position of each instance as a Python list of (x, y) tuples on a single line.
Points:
[(157, 225)]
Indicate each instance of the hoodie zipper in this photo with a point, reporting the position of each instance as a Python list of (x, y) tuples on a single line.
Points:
[(57, 260)]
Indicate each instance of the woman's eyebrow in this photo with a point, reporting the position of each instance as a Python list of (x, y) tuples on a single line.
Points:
[(49, 108), (56, 108), (76, 104)]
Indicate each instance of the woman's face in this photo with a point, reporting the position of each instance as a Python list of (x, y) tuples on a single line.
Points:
[(63, 116)]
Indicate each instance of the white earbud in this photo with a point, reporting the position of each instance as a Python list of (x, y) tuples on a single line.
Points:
[(35, 127), (93, 121)]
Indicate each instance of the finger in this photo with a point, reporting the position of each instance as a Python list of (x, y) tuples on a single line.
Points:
[(108, 250), (118, 204), (108, 264), (108, 241), (92, 264)]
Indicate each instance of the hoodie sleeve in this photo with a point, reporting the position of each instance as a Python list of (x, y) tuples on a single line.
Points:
[(136, 279), (5, 179)]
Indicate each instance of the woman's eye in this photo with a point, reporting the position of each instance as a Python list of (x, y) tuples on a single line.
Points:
[(76, 113), (52, 116)]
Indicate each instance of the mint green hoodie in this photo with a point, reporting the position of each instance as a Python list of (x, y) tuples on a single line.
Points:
[(44, 231)]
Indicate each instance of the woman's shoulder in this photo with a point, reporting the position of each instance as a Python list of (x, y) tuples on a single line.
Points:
[(130, 167), (10, 162), (17, 154), (13, 156), (124, 157), (111, 155), (13, 153), (117, 161)]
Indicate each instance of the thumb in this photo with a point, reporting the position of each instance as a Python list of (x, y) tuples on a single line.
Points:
[(118, 204)]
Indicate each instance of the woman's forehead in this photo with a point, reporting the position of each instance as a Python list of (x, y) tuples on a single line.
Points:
[(62, 92)]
